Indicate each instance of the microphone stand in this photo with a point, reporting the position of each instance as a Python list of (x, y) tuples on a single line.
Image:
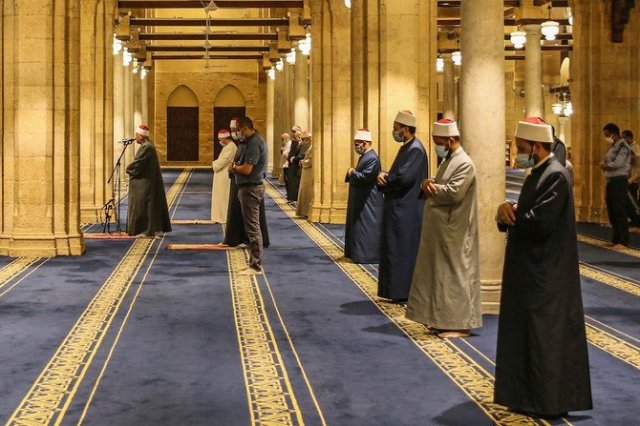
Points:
[(116, 172)]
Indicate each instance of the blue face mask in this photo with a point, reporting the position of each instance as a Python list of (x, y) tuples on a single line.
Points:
[(442, 151), (397, 136), (525, 161)]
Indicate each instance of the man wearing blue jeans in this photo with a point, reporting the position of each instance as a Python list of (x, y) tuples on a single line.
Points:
[(250, 172)]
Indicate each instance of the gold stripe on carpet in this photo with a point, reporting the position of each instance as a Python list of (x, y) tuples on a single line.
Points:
[(603, 244), (193, 222), (474, 380), (609, 279), (614, 346), (15, 268), (52, 393), (271, 398)]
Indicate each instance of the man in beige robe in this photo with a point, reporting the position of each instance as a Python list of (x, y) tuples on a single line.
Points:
[(305, 195), (221, 180), (445, 291)]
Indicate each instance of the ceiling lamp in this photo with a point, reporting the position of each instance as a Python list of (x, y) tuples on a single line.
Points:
[(550, 30), (568, 109), (280, 65), (557, 108), (457, 57), (347, 3), (570, 16), (305, 45), (518, 39), (127, 57), (143, 73), (439, 64), (117, 45), (291, 57), (134, 67), (271, 73)]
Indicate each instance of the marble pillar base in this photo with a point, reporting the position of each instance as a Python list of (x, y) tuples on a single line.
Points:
[(491, 291), (328, 214), (42, 246)]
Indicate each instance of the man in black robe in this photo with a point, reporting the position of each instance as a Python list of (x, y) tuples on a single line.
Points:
[(148, 213), (364, 210), (402, 215), (542, 365), (293, 170), (235, 233)]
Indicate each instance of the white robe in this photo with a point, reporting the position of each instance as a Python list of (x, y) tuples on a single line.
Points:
[(221, 183), (445, 291)]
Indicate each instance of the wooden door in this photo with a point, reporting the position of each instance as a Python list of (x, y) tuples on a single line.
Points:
[(182, 134), (222, 116)]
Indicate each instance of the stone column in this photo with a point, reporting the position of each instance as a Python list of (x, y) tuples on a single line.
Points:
[(96, 116), (482, 86), (396, 71), (118, 111), (331, 74), (563, 127), (273, 140), (279, 121), (145, 99), (289, 96), (137, 99), (605, 84), (533, 72), (301, 92), (449, 90), (41, 133), (128, 114)]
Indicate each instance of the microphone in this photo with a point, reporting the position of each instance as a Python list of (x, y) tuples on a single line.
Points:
[(127, 141)]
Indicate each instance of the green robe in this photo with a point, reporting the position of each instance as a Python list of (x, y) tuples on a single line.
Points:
[(148, 212)]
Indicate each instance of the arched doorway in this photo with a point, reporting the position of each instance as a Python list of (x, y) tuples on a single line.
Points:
[(228, 104), (182, 125)]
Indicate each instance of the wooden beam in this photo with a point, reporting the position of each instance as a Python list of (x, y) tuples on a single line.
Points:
[(456, 22), (564, 36), (196, 4), (213, 36), (457, 3), (196, 22), (201, 57), (211, 49), (513, 49)]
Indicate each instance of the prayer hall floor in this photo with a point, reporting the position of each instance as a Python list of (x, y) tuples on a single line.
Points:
[(133, 334)]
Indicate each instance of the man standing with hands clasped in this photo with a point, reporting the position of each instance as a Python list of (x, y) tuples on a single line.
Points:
[(402, 211), (542, 365), (445, 291)]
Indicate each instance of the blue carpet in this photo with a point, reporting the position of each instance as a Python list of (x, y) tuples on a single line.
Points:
[(177, 359)]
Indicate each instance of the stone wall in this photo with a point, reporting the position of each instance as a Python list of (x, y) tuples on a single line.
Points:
[(206, 86)]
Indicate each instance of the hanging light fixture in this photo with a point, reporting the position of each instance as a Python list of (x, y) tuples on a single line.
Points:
[(568, 109), (280, 65), (134, 67), (439, 64), (143, 73), (305, 45), (550, 29), (347, 3), (117, 45), (457, 57), (291, 57), (557, 108), (127, 57), (271, 73), (518, 39)]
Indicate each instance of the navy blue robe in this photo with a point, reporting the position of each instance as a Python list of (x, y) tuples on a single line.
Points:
[(364, 211), (402, 221)]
